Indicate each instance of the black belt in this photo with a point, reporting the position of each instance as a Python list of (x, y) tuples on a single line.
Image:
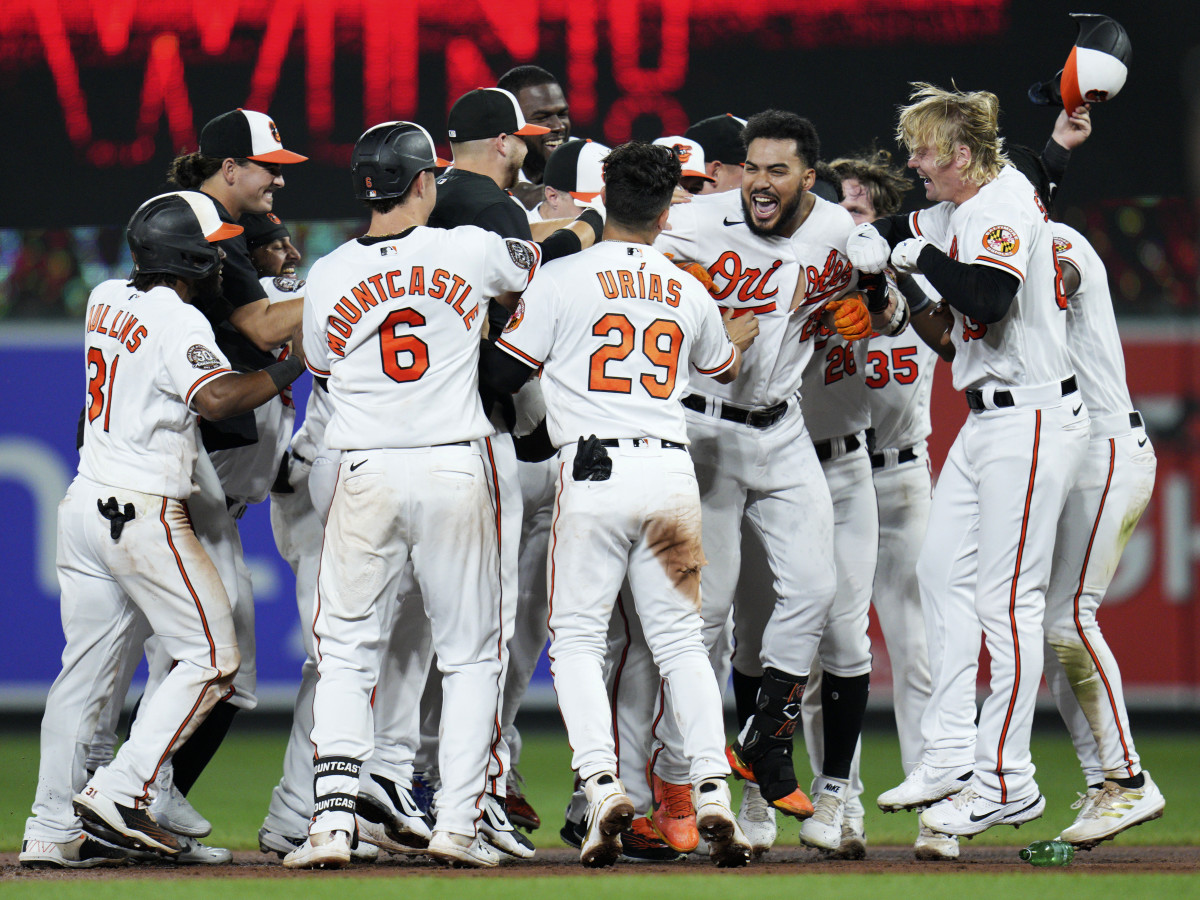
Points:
[(764, 417), (1003, 399), (666, 445), (878, 460), (1135, 419), (825, 448)]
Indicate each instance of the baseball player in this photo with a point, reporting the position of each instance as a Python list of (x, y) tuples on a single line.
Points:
[(127, 550), (724, 150), (695, 177), (543, 104), (573, 176), (987, 249), (394, 319), (777, 251), (1104, 505), (612, 358)]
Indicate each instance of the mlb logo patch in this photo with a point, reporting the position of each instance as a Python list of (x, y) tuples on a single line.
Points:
[(389, 250)]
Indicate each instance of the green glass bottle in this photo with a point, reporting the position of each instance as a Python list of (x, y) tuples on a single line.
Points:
[(1048, 853)]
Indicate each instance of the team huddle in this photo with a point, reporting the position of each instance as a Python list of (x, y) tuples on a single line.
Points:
[(665, 406)]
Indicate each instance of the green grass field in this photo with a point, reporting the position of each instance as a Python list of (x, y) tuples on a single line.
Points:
[(234, 793)]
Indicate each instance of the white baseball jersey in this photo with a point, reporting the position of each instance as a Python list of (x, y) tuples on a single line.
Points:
[(147, 355), (898, 375), (247, 473), (834, 398), (380, 312), (594, 319), (1094, 342), (1004, 226), (761, 275)]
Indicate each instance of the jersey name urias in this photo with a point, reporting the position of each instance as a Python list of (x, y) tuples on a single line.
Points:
[(1004, 226), (616, 328), (761, 275), (394, 323), (146, 353)]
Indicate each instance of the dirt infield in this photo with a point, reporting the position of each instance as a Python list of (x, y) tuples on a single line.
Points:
[(556, 862)]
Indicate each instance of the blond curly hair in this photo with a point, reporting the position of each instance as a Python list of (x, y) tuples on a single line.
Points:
[(946, 119)]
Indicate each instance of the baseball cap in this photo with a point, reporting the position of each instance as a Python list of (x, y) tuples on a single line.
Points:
[(577, 167), (690, 153), (245, 134), (262, 228), (486, 113), (721, 137)]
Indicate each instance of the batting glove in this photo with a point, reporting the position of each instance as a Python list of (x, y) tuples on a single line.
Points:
[(850, 316), (905, 256), (867, 249)]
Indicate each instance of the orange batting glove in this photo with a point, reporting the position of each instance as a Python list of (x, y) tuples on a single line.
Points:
[(697, 271), (850, 316)]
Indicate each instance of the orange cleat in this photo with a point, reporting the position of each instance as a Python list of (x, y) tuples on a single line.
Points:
[(674, 816), (795, 804), (740, 769)]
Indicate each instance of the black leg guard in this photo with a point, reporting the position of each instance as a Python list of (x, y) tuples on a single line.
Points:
[(745, 696), (766, 741), (843, 705), (196, 753)]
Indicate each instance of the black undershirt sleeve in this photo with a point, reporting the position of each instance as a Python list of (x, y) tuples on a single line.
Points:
[(561, 243), (894, 229), (504, 218), (1055, 158), (982, 292), (500, 372)]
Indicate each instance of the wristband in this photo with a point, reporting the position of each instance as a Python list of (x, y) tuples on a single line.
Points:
[(593, 218), (285, 371)]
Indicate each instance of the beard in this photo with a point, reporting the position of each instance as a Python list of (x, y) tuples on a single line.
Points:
[(782, 226), (208, 290)]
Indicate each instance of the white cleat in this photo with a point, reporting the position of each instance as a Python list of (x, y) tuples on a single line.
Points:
[(323, 850), (125, 826), (609, 813), (1111, 810), (274, 842), (500, 832), (933, 847), (854, 840), (924, 786), (81, 853), (195, 853), (727, 845), (823, 829), (968, 814), (757, 820), (460, 850), (388, 817), (173, 811)]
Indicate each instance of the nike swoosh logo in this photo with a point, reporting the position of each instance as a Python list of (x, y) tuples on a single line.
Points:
[(1077, 409), (975, 818), (1142, 442), (357, 464), (738, 222)]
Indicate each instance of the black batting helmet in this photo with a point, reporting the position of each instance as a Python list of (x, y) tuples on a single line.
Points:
[(388, 157), (174, 234)]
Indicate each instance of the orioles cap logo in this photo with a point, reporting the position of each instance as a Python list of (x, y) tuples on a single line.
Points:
[(684, 152), (274, 131)]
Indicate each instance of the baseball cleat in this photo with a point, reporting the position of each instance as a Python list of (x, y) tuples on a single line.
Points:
[(81, 853), (924, 786), (609, 813), (388, 817), (460, 850), (727, 845), (795, 804), (968, 814), (173, 811), (124, 826), (1113, 809), (280, 844), (757, 820), (498, 830), (520, 812), (641, 843), (933, 847), (323, 850), (854, 840), (574, 830), (823, 829), (673, 815), (194, 853)]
